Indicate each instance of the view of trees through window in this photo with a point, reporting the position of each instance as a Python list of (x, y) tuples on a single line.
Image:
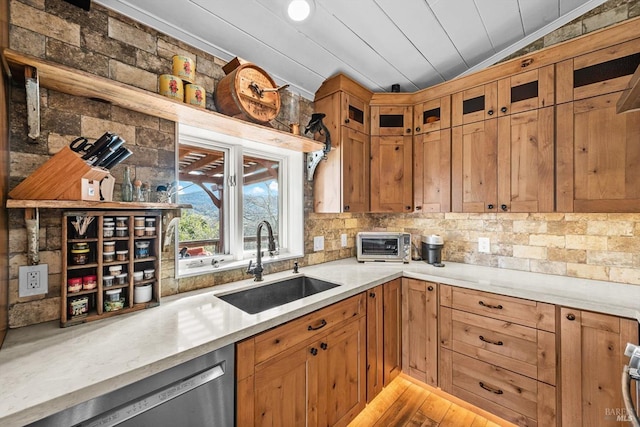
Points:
[(202, 174), (260, 198)]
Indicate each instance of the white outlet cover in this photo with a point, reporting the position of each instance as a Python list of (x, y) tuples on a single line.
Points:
[(484, 245), (343, 240), (42, 286), (318, 243)]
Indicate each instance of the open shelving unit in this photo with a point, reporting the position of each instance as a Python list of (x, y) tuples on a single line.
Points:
[(79, 83)]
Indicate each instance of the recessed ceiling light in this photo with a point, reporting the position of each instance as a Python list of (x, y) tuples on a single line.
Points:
[(299, 10)]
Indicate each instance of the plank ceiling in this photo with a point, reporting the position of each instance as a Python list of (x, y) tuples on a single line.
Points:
[(415, 43)]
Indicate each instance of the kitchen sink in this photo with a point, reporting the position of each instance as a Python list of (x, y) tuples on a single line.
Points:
[(262, 298)]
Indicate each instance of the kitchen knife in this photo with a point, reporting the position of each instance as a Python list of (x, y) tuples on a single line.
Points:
[(109, 151), (117, 157), (99, 145)]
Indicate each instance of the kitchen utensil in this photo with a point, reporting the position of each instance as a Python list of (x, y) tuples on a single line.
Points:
[(109, 151), (98, 146), (80, 145), (121, 154)]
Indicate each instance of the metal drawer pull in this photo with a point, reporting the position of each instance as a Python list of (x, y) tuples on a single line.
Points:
[(489, 341), (323, 323), (497, 307), (491, 389)]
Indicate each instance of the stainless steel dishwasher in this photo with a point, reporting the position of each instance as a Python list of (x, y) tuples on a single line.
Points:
[(197, 393)]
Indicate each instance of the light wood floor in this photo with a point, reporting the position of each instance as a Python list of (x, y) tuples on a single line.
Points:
[(406, 403)]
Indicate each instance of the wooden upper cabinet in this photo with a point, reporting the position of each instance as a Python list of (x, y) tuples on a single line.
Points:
[(432, 171), (391, 120), (474, 177), (341, 182), (598, 152), (432, 115), (526, 161), (474, 104), (597, 73), (354, 112), (355, 171), (526, 91), (391, 177)]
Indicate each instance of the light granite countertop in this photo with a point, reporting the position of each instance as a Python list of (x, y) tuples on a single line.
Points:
[(45, 369)]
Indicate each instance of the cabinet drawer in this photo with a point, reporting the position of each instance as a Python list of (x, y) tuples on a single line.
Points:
[(281, 338), (510, 309), (498, 390), (517, 348)]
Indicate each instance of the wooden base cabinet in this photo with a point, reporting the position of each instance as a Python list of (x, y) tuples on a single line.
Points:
[(420, 330), (310, 371), (591, 360), (499, 353), (384, 336)]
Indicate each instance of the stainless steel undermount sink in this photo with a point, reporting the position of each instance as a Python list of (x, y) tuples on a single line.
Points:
[(262, 298)]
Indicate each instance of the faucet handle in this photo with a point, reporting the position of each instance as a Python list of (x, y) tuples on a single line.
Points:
[(249, 270)]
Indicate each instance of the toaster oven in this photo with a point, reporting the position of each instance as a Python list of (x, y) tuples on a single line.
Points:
[(383, 246)]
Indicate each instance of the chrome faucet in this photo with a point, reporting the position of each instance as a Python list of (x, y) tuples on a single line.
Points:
[(257, 270)]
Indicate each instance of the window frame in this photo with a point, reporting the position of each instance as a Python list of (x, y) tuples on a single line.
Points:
[(290, 203)]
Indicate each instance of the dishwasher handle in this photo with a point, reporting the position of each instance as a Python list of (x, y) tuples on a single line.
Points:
[(626, 397), (145, 403)]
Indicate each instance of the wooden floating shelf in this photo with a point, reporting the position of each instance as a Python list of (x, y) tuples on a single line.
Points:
[(81, 204), (80, 83)]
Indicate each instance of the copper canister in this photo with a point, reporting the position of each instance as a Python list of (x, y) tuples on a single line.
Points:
[(184, 68), (171, 87), (195, 95)]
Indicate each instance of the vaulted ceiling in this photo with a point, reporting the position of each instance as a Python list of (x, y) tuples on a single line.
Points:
[(413, 43)]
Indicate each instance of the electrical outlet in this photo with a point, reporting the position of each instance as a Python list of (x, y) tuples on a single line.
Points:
[(318, 243), (33, 280), (343, 240), (484, 245)]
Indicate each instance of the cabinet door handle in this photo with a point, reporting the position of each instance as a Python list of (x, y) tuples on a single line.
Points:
[(346, 207), (571, 317), (503, 207), (490, 206), (408, 207), (491, 389), (418, 208), (490, 112), (324, 346), (489, 341), (323, 323), (346, 120), (497, 307), (408, 130), (430, 288), (418, 129), (503, 109), (397, 148), (313, 351), (372, 294)]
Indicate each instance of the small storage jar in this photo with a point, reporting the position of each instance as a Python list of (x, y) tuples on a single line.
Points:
[(142, 293), (74, 284), (89, 282), (142, 249)]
